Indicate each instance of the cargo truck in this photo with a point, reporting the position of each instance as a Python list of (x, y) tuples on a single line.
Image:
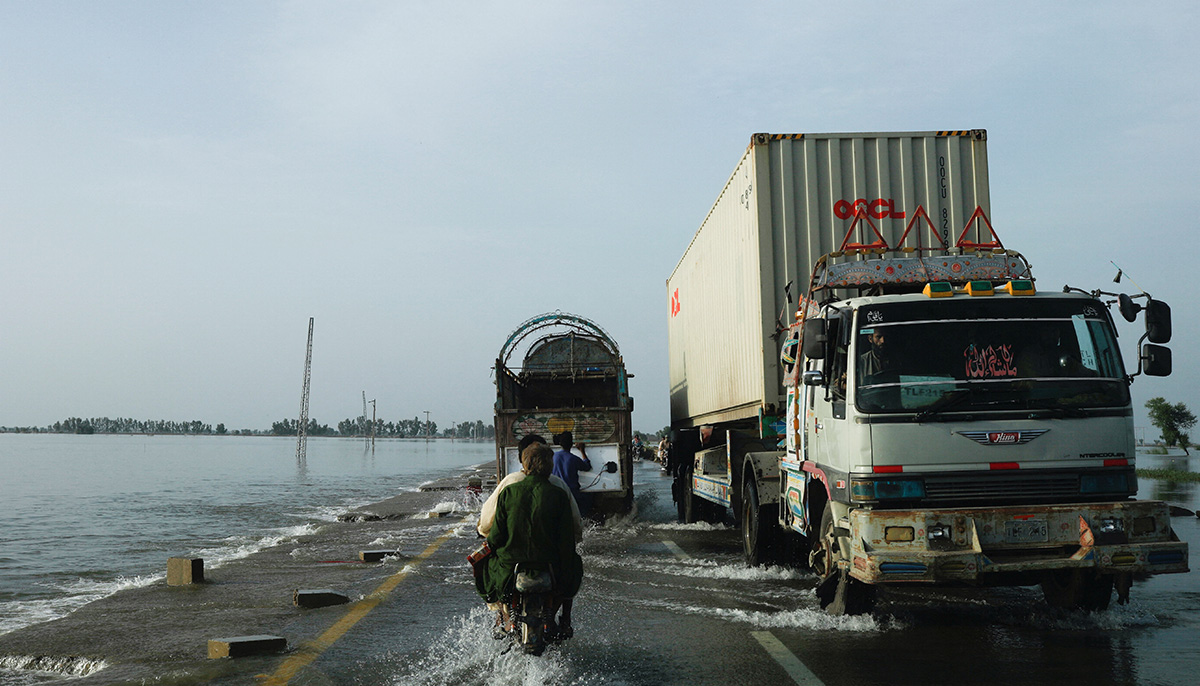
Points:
[(570, 377), (870, 383)]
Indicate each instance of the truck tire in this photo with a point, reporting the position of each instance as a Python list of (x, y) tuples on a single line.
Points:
[(687, 505), (759, 531), (838, 592), (1077, 589)]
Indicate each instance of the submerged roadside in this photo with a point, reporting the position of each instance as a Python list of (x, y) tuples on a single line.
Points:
[(158, 632)]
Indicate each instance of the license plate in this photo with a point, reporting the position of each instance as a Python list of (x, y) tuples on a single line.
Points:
[(1026, 531)]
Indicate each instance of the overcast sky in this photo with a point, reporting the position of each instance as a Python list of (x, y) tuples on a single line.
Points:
[(184, 184)]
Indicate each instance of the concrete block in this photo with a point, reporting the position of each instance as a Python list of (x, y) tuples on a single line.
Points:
[(376, 555), (241, 646), (182, 571), (319, 598)]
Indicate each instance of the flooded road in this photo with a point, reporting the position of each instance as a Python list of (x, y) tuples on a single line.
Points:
[(662, 603), (670, 604)]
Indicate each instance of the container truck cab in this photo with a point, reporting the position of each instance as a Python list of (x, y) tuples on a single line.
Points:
[(872, 385), (975, 432)]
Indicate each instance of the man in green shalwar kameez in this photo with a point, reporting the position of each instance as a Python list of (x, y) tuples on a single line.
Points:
[(534, 527)]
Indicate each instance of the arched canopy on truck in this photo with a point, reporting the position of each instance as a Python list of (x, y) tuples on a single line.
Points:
[(567, 323), (562, 361)]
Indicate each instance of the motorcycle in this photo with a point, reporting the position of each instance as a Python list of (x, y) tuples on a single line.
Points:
[(529, 615)]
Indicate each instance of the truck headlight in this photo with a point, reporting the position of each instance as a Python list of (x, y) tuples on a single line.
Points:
[(1113, 525), (886, 489)]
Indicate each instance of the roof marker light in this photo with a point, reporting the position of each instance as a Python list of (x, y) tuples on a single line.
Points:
[(1019, 287), (938, 289), (980, 288)]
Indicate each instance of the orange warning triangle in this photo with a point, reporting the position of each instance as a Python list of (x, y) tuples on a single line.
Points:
[(920, 213), (978, 214), (847, 245)]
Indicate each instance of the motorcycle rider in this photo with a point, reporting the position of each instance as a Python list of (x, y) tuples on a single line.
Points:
[(533, 528), (487, 514)]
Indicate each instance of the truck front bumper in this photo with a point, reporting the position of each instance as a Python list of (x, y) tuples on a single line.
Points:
[(978, 545)]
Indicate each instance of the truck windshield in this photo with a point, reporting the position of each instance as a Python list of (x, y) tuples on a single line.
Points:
[(1002, 355)]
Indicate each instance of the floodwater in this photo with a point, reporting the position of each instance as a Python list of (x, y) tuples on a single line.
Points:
[(674, 604), (87, 516), (665, 603)]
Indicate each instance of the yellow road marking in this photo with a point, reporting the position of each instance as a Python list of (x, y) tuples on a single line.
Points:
[(310, 651)]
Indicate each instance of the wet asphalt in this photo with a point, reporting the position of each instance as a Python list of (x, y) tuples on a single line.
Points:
[(661, 604)]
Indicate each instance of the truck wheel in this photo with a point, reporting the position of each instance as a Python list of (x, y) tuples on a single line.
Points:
[(1077, 589), (838, 592), (822, 558), (758, 528)]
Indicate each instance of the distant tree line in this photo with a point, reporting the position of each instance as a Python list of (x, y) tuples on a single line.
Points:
[(410, 428), (404, 428), (123, 425)]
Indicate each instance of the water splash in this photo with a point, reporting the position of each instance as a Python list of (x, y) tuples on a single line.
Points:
[(467, 655), (54, 666)]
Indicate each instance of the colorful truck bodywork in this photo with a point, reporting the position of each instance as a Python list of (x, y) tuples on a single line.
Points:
[(937, 419), (571, 378)]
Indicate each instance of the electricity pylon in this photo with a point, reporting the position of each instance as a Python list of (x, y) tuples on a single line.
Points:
[(302, 427)]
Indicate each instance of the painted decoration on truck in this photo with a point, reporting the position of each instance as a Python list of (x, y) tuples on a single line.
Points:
[(957, 269), (587, 427), (992, 362)]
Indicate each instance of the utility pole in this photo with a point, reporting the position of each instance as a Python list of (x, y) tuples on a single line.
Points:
[(427, 425), (302, 425), (372, 422), (364, 415)]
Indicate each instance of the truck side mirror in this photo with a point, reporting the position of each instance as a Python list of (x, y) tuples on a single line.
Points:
[(815, 339), (1156, 360), (1128, 307), (1158, 321)]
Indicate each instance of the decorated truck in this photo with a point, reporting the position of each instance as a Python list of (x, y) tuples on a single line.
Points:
[(561, 372), (872, 385)]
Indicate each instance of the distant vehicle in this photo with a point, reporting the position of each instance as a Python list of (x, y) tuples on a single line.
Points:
[(870, 381), (571, 378)]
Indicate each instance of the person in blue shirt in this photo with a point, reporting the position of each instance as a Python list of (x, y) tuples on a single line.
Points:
[(567, 466)]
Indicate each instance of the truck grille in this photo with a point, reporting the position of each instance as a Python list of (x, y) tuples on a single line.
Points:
[(1006, 486)]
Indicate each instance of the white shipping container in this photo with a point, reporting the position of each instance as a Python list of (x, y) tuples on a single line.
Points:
[(791, 199)]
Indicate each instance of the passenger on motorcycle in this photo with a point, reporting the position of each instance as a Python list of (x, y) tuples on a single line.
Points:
[(487, 514), (533, 528)]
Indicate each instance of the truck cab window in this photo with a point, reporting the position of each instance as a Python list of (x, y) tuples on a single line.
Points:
[(1017, 357)]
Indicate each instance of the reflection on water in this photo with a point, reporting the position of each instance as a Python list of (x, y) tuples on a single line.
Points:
[(1176, 492), (1183, 493)]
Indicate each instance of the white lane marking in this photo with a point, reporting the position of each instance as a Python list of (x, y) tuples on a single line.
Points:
[(674, 548), (786, 659)]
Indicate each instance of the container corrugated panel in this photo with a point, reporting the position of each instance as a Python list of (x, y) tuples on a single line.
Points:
[(791, 199)]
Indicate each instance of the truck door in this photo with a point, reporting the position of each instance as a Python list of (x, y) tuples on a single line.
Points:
[(827, 406)]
